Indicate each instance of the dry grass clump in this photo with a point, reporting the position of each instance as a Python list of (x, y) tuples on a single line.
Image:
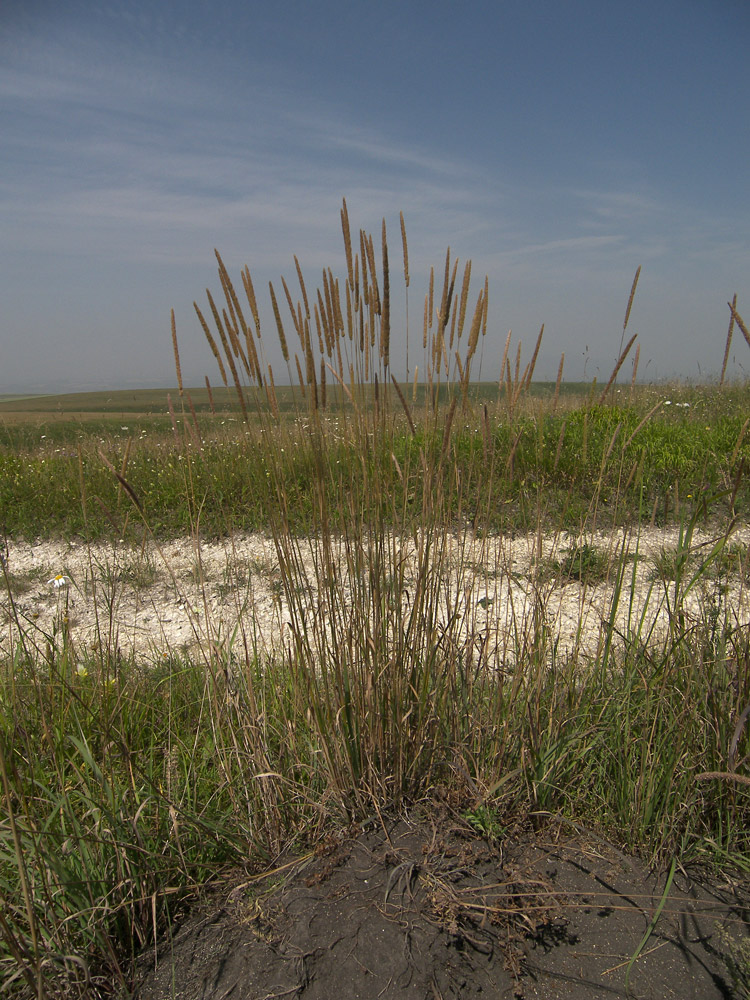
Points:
[(124, 789)]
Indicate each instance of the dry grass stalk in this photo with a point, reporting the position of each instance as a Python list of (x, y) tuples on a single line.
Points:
[(119, 476), (505, 359), (486, 305), (385, 319), (347, 242), (197, 436), (271, 392), (250, 363), (210, 395), (406, 251), (454, 320), (338, 316), (464, 299), (296, 313), (740, 323), (363, 255), (326, 311), (642, 424), (322, 383), (247, 282), (211, 343), (229, 356), (728, 346), (176, 354), (404, 404), (476, 324), (443, 311), (630, 304), (557, 383), (431, 296), (310, 368), (299, 375), (374, 286), (279, 324), (349, 313), (426, 315), (532, 363), (302, 286), (617, 367), (318, 310), (251, 369), (635, 368)]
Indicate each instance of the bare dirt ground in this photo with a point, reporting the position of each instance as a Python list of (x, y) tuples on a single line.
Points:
[(179, 595), (424, 908)]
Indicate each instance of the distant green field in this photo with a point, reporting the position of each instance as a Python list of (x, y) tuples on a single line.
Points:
[(146, 402)]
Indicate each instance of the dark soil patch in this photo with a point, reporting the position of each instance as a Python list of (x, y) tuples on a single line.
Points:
[(432, 910)]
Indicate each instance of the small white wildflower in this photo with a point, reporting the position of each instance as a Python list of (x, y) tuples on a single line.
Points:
[(58, 581), (81, 671), (667, 402)]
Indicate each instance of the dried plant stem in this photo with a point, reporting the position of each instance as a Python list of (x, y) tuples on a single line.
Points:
[(617, 367), (176, 354), (557, 383)]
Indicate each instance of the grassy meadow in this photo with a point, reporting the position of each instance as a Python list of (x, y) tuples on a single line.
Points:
[(126, 787)]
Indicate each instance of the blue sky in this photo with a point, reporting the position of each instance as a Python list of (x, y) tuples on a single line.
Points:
[(558, 145)]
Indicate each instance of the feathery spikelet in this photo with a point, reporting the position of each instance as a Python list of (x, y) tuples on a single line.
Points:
[(279, 324), (728, 346), (385, 320), (443, 312), (373, 275), (347, 242), (557, 383), (211, 343), (247, 281), (532, 363), (229, 355), (176, 354), (740, 323), (303, 289), (617, 367), (404, 404), (210, 395), (475, 327), (632, 296), (299, 375), (406, 251), (635, 366), (464, 298), (295, 314)]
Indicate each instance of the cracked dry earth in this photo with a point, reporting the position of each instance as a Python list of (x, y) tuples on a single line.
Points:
[(178, 595), (424, 908)]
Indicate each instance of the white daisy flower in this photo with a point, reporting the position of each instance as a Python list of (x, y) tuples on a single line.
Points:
[(58, 581)]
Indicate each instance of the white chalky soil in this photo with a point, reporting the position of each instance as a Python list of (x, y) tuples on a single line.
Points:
[(179, 596)]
